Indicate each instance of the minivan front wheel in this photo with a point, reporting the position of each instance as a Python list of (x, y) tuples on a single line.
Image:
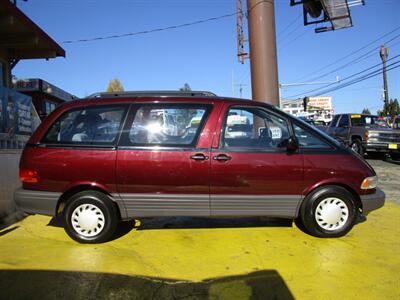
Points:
[(329, 211), (90, 217)]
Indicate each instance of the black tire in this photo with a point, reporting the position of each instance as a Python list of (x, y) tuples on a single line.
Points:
[(356, 146), (395, 156), (329, 211), (90, 217)]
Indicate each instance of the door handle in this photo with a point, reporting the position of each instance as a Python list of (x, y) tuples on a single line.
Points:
[(199, 156), (222, 157)]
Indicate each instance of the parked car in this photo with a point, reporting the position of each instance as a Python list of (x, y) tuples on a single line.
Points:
[(365, 134), (396, 122), (319, 124), (95, 162)]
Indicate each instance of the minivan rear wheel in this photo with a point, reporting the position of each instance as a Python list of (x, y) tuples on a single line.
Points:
[(329, 211), (90, 217)]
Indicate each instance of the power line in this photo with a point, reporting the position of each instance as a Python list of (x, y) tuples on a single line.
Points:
[(357, 80), (150, 30), (356, 60), (346, 78), (350, 54), (290, 25), (293, 40)]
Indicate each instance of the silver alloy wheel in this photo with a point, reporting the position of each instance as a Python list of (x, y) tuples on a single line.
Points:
[(87, 220), (332, 213)]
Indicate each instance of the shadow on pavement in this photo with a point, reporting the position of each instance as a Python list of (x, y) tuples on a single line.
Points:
[(4, 232), (382, 157), (189, 223), (37, 284), (197, 222)]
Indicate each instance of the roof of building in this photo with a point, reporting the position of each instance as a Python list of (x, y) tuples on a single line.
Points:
[(22, 38)]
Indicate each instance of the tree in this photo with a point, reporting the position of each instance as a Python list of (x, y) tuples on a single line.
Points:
[(391, 108), (185, 88), (115, 86), (366, 111)]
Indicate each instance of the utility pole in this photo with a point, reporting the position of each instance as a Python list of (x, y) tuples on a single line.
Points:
[(384, 53), (241, 85), (263, 58)]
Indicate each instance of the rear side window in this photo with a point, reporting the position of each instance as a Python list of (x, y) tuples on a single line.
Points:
[(88, 125), (335, 120), (166, 125), (344, 121)]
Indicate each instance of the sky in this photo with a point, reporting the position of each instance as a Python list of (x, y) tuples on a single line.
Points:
[(204, 55)]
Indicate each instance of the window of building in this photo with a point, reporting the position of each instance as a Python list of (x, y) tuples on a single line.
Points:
[(49, 107)]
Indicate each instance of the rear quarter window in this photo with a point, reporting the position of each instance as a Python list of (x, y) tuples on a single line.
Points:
[(87, 125)]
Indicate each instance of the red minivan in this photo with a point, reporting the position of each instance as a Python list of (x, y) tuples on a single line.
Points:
[(121, 156)]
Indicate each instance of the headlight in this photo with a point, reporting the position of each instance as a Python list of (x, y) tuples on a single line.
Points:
[(369, 183)]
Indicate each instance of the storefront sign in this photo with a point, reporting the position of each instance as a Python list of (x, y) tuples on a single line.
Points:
[(15, 112)]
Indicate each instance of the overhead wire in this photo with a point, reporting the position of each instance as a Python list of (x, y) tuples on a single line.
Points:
[(346, 78), (394, 65), (349, 55), (149, 30), (354, 61)]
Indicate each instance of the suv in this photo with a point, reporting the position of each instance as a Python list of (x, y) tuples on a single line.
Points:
[(97, 161), (365, 133)]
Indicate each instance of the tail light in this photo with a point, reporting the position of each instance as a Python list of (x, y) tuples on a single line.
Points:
[(28, 176), (366, 135)]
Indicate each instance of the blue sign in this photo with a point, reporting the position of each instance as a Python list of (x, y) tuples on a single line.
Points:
[(15, 112)]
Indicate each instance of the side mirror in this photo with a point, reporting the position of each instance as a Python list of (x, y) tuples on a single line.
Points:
[(292, 144)]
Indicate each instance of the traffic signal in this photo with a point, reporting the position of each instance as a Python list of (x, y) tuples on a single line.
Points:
[(305, 103)]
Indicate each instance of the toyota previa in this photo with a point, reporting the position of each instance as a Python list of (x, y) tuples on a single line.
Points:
[(120, 156)]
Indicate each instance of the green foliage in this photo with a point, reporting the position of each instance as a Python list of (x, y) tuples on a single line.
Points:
[(366, 111), (391, 109), (185, 88), (115, 86)]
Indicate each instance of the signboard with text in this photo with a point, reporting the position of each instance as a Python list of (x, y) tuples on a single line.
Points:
[(15, 113)]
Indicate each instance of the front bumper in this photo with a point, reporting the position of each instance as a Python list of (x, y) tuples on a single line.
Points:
[(36, 202), (372, 201), (381, 147)]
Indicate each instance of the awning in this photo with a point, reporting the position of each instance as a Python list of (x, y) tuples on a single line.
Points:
[(21, 38)]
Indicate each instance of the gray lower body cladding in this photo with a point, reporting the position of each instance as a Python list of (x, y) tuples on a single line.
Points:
[(36, 202), (372, 201), (152, 205)]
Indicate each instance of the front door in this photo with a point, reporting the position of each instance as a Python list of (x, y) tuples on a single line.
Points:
[(252, 173), (163, 160)]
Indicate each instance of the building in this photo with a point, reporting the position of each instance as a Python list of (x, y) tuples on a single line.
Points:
[(318, 108), (20, 39), (45, 96)]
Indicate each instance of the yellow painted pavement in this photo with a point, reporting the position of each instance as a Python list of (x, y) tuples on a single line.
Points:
[(365, 264)]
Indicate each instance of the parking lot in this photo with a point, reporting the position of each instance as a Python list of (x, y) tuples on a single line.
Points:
[(199, 258)]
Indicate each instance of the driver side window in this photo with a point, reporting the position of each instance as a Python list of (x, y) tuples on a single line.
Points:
[(252, 127)]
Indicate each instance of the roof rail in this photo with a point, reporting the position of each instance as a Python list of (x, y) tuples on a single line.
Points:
[(152, 94)]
